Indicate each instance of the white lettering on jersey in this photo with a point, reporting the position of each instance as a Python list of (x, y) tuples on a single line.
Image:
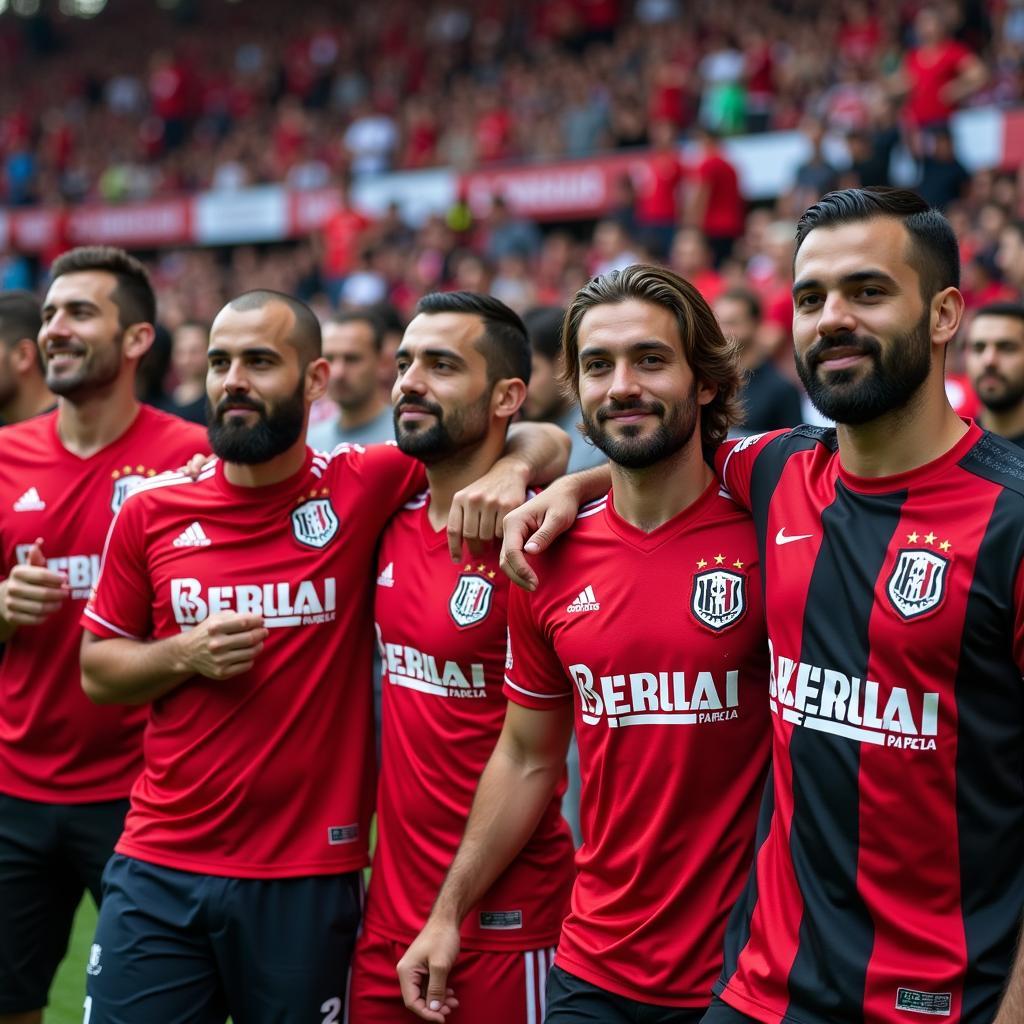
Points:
[(656, 698), (829, 701), (82, 571), (280, 604), (416, 670)]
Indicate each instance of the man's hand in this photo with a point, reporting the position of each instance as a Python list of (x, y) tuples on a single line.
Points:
[(531, 528), (423, 972), (194, 465), (478, 510), (31, 593), (224, 645)]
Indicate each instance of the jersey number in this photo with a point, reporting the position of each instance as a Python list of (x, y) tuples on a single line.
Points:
[(332, 1007)]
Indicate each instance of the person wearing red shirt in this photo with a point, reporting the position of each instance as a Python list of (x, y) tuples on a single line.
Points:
[(894, 596), (339, 242), (464, 364), (66, 766), (649, 612), (659, 201), (714, 202), (229, 603)]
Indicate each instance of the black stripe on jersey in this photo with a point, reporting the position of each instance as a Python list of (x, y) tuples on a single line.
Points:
[(990, 742), (857, 530), (737, 930)]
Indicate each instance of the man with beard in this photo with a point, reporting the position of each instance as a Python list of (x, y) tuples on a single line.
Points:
[(894, 594), (237, 604), (23, 390), (66, 766), (463, 368), (651, 613), (994, 355)]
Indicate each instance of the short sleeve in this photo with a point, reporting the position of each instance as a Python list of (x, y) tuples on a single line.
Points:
[(122, 600), (534, 676), (388, 477), (734, 464)]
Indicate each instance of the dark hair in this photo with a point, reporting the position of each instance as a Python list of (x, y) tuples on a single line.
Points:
[(388, 317), (544, 329), (934, 251), (747, 297), (504, 343), (133, 295), (305, 335), (1016, 226), (19, 319), (714, 358), (1011, 309), (363, 316)]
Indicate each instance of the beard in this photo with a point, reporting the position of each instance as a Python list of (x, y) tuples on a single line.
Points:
[(629, 448), (97, 370), (462, 428), (1008, 397), (271, 435), (896, 375)]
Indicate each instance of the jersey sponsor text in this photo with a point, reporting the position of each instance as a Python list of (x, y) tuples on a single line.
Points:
[(309, 603)]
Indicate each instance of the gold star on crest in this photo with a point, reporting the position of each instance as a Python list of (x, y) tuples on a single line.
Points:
[(324, 492), (912, 537), (719, 559), (929, 537), (116, 474), (702, 563), (491, 575), (481, 567), (945, 545), (467, 568), (737, 564)]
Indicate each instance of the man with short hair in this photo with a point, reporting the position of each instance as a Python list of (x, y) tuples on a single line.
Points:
[(649, 611), (994, 358), (895, 607), (23, 390), (237, 604), (769, 400), (352, 347), (189, 342), (66, 766), (1010, 254), (463, 366), (546, 399)]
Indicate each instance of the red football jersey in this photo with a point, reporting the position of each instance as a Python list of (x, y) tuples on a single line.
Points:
[(661, 637), (889, 879), (56, 746), (442, 633), (268, 774)]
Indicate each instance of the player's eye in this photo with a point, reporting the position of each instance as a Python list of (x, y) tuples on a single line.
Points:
[(808, 300)]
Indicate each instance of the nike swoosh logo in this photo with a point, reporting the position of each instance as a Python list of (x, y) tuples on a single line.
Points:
[(781, 538)]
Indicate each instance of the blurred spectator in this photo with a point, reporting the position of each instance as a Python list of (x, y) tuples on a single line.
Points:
[(1010, 256), (370, 141), (943, 178), (505, 233), (770, 402), (714, 202), (340, 242), (352, 345), (23, 390), (189, 342), (691, 258), (815, 176), (613, 248), (659, 203), (545, 399), (994, 358)]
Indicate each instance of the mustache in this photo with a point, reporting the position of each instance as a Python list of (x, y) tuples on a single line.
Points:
[(239, 403), (605, 412), (419, 403), (862, 342)]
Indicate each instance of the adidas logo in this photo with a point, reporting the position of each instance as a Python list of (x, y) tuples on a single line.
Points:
[(387, 577), (193, 537), (30, 502), (585, 602)]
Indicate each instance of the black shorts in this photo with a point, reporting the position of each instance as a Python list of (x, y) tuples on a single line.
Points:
[(721, 1013), (574, 1001), (180, 948), (49, 855)]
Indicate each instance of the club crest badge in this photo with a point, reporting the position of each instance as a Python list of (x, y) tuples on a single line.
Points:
[(123, 486), (719, 598), (917, 583), (471, 600), (314, 523)]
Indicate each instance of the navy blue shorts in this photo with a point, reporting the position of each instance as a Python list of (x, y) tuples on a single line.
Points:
[(49, 855), (180, 948), (571, 1000)]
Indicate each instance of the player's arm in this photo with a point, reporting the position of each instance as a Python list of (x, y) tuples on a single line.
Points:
[(535, 453), (514, 789), (31, 593), (531, 528), (117, 670)]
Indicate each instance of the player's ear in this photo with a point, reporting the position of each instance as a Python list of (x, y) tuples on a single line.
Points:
[(317, 374), (507, 397), (138, 340), (706, 392), (946, 313)]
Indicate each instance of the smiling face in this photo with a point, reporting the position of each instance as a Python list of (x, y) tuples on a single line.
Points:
[(258, 392), (442, 395), (81, 339), (861, 330), (638, 395)]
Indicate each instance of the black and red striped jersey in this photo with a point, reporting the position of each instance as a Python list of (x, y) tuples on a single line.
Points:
[(889, 876)]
